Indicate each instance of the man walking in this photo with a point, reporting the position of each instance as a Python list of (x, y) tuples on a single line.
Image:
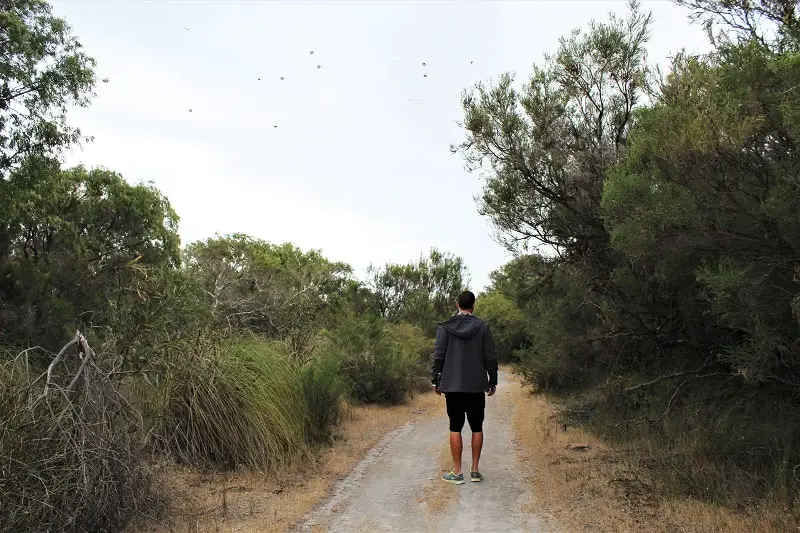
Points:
[(464, 369)]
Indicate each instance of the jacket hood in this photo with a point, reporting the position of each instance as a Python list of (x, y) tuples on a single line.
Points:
[(463, 326)]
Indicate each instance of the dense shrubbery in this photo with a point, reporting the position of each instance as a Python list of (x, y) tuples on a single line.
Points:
[(666, 213), (380, 365), (324, 391)]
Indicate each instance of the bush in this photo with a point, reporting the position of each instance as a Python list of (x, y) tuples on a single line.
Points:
[(378, 368), (238, 405), (70, 458), (699, 438), (413, 339), (323, 390), (506, 322)]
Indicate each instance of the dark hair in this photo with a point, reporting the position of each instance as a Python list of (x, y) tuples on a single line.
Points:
[(466, 300)]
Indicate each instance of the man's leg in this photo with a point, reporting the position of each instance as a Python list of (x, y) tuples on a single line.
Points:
[(456, 448), (457, 414), (477, 445), (476, 406)]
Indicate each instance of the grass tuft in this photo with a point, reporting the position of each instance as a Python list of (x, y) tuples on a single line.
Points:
[(240, 405)]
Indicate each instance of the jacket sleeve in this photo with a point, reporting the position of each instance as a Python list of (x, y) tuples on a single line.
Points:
[(439, 352), (489, 356)]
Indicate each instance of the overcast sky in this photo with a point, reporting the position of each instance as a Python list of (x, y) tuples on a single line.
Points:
[(359, 164)]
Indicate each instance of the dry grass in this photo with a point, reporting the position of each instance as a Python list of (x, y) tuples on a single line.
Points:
[(69, 449), (599, 489), (248, 502)]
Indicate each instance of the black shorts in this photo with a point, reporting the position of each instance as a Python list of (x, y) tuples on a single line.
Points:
[(469, 404)]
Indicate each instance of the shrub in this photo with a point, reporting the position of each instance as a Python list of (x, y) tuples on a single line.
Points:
[(323, 390), (506, 322), (69, 451), (378, 368), (414, 340), (239, 404)]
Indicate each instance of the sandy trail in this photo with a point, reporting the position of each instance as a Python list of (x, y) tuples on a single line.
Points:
[(390, 489)]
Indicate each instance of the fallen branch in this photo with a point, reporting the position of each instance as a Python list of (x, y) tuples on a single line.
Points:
[(53, 364), (81, 466), (653, 421), (670, 376), (87, 355), (660, 379)]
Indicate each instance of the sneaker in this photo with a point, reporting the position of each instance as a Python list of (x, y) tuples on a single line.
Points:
[(452, 477), (475, 477)]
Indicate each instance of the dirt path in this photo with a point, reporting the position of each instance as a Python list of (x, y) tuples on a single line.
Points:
[(396, 487)]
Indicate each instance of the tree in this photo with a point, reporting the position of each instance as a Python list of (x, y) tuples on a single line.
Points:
[(773, 24), (71, 237), (550, 142), (420, 293), (43, 71), (550, 146), (276, 290), (506, 322), (706, 208)]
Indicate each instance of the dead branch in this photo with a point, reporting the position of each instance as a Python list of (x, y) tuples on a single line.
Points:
[(87, 351), (53, 364), (694, 376), (81, 468), (660, 379)]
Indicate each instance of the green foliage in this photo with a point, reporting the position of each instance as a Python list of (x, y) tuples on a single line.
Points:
[(666, 211), (43, 71), (549, 141), (159, 314), (560, 355), (506, 321), (773, 24), (421, 293), (235, 352), (275, 290), (377, 360), (413, 340), (718, 227), (238, 404), (323, 391), (67, 240)]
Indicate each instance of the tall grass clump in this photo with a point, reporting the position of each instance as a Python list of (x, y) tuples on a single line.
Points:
[(240, 404), (70, 455)]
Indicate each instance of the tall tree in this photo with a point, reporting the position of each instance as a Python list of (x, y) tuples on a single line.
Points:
[(550, 142), (706, 208), (43, 71), (71, 236), (276, 290)]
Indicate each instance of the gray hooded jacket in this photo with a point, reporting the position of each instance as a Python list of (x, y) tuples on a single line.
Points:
[(464, 356)]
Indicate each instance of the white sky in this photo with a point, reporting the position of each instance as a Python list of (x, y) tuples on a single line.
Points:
[(359, 165)]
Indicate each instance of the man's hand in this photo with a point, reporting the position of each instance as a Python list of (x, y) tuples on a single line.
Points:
[(436, 390), (491, 391)]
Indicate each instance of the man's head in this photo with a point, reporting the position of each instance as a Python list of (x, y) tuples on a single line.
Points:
[(466, 301)]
